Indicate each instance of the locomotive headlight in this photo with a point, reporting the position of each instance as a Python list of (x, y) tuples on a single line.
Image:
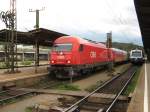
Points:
[(52, 61), (68, 61), (61, 53)]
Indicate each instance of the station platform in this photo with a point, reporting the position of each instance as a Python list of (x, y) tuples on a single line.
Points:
[(141, 97), (20, 77), (147, 88)]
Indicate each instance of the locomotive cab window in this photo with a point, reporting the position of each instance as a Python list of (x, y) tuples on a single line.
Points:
[(81, 48), (137, 54), (62, 47)]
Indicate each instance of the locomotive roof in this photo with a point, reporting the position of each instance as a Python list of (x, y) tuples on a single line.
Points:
[(134, 50), (81, 40)]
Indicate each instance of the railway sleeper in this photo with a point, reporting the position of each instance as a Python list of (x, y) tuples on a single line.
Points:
[(92, 106)]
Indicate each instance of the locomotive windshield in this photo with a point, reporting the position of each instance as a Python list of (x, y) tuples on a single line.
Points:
[(136, 54), (62, 47)]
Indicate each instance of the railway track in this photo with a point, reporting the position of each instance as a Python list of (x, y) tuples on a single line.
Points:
[(107, 87), (116, 86), (11, 94), (14, 93)]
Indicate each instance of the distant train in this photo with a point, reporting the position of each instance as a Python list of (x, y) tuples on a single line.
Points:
[(72, 56), (136, 56)]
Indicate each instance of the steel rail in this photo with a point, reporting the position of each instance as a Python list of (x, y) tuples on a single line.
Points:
[(14, 96), (87, 96), (117, 96), (4, 91), (19, 94)]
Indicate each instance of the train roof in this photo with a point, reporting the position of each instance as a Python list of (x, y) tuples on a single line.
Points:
[(136, 50), (118, 50), (78, 40)]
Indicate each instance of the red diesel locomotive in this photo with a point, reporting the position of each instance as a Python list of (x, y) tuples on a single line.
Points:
[(72, 56)]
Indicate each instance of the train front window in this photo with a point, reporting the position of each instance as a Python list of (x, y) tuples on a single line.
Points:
[(136, 54), (62, 47)]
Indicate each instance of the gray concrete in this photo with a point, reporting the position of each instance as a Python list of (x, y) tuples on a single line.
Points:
[(148, 81)]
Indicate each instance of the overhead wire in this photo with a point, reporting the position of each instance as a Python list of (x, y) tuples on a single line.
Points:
[(118, 19)]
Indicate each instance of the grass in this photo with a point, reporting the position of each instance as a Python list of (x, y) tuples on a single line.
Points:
[(130, 88), (65, 86), (2, 65), (26, 63), (93, 87), (29, 109)]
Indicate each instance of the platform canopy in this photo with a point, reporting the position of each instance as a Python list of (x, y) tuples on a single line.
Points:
[(143, 14), (45, 37)]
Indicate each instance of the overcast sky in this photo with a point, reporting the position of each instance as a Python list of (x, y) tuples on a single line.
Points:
[(85, 18)]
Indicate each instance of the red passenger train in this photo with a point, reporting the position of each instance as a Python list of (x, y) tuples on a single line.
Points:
[(72, 56)]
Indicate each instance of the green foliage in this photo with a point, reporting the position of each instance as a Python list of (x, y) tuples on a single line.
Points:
[(65, 86), (3, 65), (130, 88), (29, 109), (126, 46), (26, 63)]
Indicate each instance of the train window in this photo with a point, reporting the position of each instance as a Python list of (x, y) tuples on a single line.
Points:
[(62, 47), (137, 54), (81, 48)]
